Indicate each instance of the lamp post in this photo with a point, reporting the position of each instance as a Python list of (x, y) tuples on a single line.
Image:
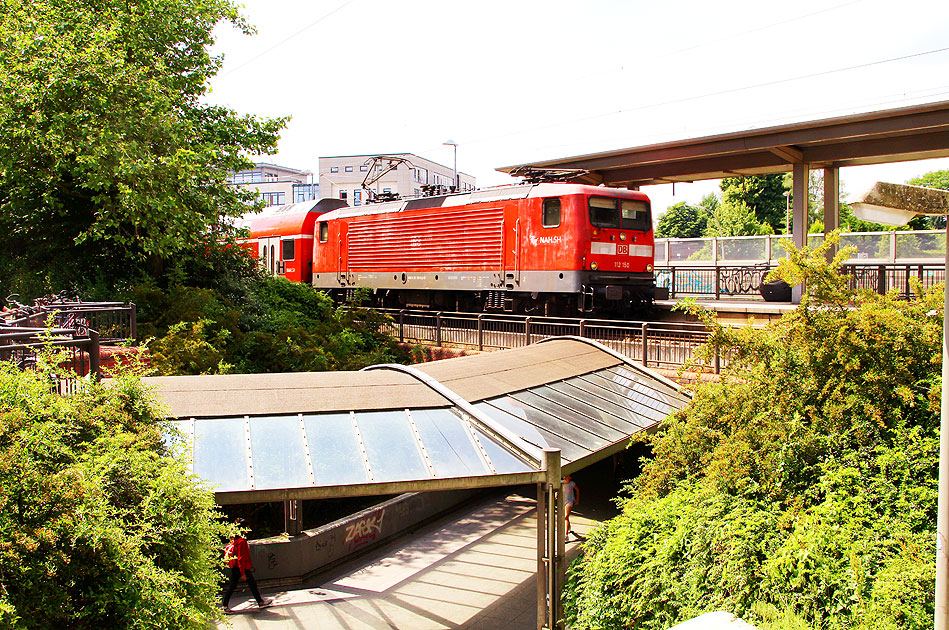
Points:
[(454, 171), (897, 204)]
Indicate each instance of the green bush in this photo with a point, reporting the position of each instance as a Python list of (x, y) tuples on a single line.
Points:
[(800, 491), (101, 525), (256, 325)]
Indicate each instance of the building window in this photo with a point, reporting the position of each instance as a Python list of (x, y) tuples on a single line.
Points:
[(274, 198), (334, 169), (288, 249), (551, 212), (343, 195), (363, 168), (387, 190), (305, 192), (324, 232), (421, 175), (418, 192), (357, 197), (349, 169)]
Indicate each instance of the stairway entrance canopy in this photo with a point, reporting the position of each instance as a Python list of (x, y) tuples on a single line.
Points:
[(462, 423), (512, 417)]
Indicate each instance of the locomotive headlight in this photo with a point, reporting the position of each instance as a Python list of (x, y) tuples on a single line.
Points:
[(622, 236), (594, 266), (648, 267)]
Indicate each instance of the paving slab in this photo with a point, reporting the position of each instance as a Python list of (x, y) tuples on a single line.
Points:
[(474, 569)]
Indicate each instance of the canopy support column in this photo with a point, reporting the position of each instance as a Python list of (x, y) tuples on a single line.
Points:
[(291, 517), (801, 175), (551, 544), (831, 205)]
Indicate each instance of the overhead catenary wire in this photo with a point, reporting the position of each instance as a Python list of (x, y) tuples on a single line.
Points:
[(695, 97), (286, 39)]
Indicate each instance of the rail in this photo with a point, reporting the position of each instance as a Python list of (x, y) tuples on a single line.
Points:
[(114, 321), (745, 281), (78, 352), (656, 344), (75, 330)]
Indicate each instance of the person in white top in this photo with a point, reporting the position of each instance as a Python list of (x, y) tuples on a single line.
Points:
[(571, 497)]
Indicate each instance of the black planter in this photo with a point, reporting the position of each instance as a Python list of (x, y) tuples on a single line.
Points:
[(777, 291)]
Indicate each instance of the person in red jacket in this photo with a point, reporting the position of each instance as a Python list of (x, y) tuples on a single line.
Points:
[(237, 556)]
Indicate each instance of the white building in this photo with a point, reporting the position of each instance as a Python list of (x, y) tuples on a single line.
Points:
[(277, 185), (341, 176)]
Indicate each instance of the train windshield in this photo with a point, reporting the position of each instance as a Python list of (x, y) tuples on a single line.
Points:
[(625, 214)]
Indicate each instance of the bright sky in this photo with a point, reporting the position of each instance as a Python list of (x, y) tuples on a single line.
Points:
[(523, 80)]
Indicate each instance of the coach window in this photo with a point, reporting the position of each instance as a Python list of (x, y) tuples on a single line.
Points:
[(636, 215), (287, 249), (324, 232), (604, 212), (552, 212)]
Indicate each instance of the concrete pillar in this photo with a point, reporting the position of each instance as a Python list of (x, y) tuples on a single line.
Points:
[(800, 173), (831, 205)]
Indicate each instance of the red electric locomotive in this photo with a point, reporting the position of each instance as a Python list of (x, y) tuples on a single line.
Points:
[(281, 237), (551, 248)]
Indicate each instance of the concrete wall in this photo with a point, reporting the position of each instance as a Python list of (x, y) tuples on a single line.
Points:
[(282, 560)]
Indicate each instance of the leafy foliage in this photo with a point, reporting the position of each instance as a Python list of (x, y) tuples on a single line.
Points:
[(682, 221), (762, 194), (101, 525), (798, 491), (933, 179), (263, 324), (108, 158)]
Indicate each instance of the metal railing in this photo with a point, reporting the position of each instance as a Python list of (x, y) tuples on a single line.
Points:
[(74, 330), (77, 352), (745, 281), (114, 321), (657, 344), (903, 246)]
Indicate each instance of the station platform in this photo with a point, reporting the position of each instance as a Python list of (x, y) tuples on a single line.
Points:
[(730, 311), (474, 569)]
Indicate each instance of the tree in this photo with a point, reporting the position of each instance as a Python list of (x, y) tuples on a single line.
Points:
[(101, 524), (108, 157), (764, 194), (802, 487), (682, 221), (735, 218), (933, 179)]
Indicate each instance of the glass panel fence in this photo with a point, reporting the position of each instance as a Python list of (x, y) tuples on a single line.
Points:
[(921, 245)]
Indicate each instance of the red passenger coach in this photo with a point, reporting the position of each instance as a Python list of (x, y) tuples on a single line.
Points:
[(281, 237), (547, 247)]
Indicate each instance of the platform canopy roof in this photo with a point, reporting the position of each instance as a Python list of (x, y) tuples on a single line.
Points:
[(894, 135), (469, 422)]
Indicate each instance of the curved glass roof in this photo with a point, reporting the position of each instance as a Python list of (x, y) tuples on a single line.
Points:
[(587, 407)]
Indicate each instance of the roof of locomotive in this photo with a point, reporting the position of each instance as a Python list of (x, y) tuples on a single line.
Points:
[(498, 193), (288, 219)]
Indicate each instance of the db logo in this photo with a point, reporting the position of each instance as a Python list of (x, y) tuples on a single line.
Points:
[(622, 249)]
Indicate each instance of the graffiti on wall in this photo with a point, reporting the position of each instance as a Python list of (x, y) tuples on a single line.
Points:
[(364, 531)]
